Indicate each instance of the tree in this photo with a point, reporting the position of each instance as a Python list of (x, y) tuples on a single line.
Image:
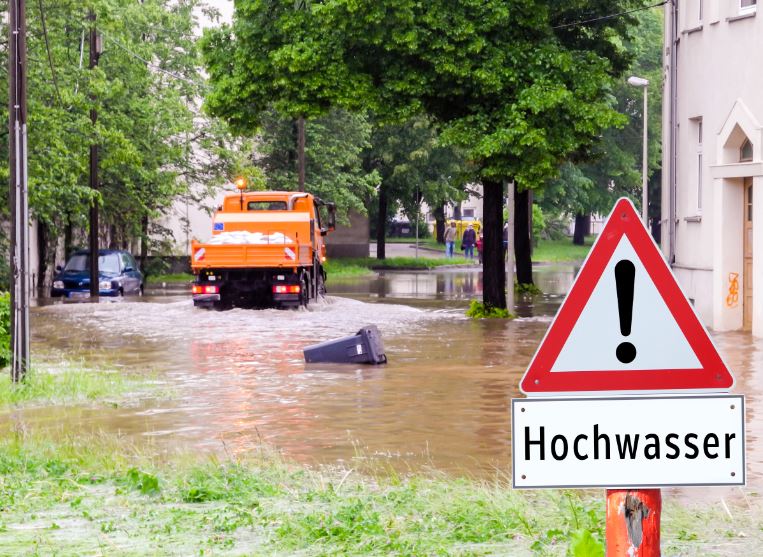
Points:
[(413, 167), (614, 167), (334, 171), (518, 85), (146, 88)]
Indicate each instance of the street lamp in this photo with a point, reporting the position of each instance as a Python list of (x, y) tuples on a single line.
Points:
[(644, 83)]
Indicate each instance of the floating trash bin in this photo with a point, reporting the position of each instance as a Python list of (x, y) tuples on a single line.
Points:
[(364, 347)]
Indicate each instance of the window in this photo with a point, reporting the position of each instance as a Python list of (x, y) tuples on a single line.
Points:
[(468, 213), (699, 182), (697, 127), (749, 203), (747, 6), (745, 151), (81, 262), (266, 206)]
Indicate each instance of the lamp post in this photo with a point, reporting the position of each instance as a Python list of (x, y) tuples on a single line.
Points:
[(643, 83)]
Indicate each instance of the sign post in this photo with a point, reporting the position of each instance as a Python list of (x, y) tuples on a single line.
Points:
[(627, 392)]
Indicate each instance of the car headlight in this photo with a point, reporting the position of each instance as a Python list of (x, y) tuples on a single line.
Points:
[(58, 284), (105, 285)]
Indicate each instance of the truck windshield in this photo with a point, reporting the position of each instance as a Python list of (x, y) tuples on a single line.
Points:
[(81, 262), (266, 206)]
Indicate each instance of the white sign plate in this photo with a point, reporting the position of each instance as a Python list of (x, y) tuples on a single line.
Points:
[(639, 441)]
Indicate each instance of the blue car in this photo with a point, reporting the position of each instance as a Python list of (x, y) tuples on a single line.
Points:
[(118, 275)]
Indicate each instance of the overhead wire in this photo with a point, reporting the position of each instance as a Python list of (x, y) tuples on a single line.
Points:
[(50, 56), (610, 16), (155, 66)]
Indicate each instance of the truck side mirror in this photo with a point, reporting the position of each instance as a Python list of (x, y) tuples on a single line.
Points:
[(332, 217)]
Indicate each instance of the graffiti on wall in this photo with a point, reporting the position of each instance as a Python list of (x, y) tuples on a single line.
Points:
[(732, 300)]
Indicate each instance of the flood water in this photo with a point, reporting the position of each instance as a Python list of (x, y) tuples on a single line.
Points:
[(238, 378)]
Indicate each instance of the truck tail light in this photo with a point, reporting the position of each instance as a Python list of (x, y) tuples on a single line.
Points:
[(286, 289), (205, 289)]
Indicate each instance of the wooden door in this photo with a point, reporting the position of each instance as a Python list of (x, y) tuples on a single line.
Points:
[(747, 281)]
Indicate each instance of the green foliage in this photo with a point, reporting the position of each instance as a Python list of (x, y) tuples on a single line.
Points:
[(145, 483), (333, 162), (527, 289), (539, 223), (414, 166), (613, 168), (479, 310), (515, 93), (5, 329), (584, 544), (153, 146), (67, 384)]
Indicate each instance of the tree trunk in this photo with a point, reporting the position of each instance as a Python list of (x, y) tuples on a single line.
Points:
[(439, 219), (68, 232), (42, 253), (143, 243), (381, 224), (582, 229), (522, 244), (493, 270)]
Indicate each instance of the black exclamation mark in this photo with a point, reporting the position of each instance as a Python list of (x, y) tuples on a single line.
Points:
[(625, 272)]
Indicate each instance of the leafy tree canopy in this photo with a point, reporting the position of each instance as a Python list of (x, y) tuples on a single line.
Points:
[(333, 154), (518, 92)]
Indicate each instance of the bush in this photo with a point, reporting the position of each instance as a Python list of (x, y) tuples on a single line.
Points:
[(5, 329), (479, 310)]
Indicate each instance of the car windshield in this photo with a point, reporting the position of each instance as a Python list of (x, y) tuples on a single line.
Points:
[(81, 262)]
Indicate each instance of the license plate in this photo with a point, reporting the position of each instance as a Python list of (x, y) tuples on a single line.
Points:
[(79, 294)]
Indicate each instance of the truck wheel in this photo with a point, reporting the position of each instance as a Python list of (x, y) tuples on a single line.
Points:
[(321, 280), (304, 294)]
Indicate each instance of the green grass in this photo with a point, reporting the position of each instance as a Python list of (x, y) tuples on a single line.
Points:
[(172, 277), (366, 265), (101, 495), (557, 251), (68, 384), (547, 251)]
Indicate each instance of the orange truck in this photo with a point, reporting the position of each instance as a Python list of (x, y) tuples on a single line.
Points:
[(267, 249)]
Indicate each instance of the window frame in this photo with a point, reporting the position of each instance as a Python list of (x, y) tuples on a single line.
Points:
[(749, 8), (742, 157)]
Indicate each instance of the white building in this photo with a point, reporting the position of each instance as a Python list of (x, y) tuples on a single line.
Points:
[(714, 72)]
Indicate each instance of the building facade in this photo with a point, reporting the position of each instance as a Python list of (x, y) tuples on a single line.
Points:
[(712, 194)]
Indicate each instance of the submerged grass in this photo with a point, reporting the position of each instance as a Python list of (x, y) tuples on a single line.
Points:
[(66, 383), (99, 495)]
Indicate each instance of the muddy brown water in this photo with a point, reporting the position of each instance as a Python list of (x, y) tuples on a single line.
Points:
[(239, 380)]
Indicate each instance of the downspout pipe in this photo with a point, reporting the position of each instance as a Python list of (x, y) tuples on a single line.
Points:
[(673, 156)]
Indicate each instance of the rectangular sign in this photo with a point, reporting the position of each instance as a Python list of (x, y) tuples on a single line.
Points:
[(624, 442)]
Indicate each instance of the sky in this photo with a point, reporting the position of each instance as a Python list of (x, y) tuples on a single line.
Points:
[(225, 7)]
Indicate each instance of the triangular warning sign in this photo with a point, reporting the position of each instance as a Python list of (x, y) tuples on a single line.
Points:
[(625, 325)]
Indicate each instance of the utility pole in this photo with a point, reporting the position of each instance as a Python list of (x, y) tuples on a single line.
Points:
[(94, 53), (301, 151), (18, 186)]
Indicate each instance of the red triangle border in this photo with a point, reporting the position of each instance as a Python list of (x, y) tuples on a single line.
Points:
[(713, 375)]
